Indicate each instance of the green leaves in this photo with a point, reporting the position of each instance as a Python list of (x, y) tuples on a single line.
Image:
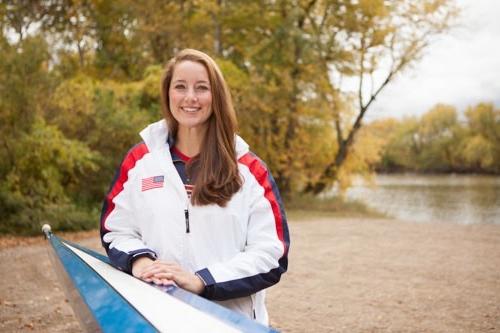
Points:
[(47, 172)]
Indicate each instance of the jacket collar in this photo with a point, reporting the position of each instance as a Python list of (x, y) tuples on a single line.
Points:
[(156, 136)]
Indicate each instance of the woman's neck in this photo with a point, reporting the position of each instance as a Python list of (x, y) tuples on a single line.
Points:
[(189, 140)]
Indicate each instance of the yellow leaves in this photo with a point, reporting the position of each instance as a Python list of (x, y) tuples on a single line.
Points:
[(72, 106), (379, 36), (75, 96), (372, 8), (366, 152), (485, 119), (431, 6), (479, 152), (439, 142), (151, 82), (311, 150), (235, 77), (482, 147), (438, 121)]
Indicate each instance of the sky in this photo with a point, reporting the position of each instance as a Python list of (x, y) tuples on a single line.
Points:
[(461, 68)]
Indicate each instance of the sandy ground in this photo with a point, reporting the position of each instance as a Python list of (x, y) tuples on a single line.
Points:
[(345, 275)]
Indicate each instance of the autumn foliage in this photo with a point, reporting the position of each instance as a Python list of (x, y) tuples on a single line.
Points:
[(442, 140), (80, 78)]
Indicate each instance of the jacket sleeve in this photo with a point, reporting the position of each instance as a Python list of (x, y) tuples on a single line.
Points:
[(264, 257), (120, 234)]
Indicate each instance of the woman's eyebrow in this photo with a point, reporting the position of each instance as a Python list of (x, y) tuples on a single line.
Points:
[(184, 81)]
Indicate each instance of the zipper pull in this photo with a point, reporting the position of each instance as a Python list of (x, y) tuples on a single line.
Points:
[(186, 216)]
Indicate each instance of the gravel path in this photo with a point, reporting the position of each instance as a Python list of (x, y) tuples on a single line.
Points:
[(345, 275)]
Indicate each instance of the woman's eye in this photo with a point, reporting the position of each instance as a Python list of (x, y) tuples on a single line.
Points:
[(203, 88), (180, 86)]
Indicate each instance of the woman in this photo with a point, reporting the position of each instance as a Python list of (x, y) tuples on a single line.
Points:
[(191, 205)]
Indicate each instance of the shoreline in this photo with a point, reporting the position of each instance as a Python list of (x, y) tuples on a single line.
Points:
[(345, 275)]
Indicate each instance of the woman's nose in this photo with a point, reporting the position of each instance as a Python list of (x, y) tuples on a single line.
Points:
[(191, 94)]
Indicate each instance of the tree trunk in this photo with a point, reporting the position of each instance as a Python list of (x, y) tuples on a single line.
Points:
[(217, 30)]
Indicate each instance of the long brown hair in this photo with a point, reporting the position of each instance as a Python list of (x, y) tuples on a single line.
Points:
[(217, 169)]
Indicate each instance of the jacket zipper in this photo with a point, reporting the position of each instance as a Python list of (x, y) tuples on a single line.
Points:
[(252, 299), (186, 217)]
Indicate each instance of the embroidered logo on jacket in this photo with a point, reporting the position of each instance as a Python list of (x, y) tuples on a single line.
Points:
[(152, 182)]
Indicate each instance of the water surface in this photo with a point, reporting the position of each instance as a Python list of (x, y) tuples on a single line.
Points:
[(452, 198)]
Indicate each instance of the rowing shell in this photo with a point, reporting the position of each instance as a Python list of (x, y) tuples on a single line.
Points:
[(106, 299)]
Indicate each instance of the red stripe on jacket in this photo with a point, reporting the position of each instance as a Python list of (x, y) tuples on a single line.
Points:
[(134, 155), (259, 171)]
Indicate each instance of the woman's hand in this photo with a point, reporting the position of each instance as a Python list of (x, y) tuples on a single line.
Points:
[(167, 273), (141, 265)]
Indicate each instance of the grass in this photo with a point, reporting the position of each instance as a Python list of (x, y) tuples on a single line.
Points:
[(301, 207)]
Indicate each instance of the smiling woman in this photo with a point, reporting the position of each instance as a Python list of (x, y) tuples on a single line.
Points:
[(190, 98), (191, 205)]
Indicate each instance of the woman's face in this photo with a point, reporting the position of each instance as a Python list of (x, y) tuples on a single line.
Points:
[(190, 95)]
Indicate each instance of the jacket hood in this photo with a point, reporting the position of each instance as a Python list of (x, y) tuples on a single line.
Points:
[(155, 137)]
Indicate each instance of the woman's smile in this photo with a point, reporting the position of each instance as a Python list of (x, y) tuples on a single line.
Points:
[(190, 95), (190, 109)]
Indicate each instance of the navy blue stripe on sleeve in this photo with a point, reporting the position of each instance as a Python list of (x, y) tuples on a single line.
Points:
[(222, 291), (123, 260)]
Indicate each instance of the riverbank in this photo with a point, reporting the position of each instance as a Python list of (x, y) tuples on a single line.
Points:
[(345, 275)]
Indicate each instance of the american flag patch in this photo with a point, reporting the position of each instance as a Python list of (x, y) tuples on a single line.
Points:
[(189, 189), (152, 182)]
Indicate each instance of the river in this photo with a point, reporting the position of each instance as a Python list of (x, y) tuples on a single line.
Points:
[(464, 199)]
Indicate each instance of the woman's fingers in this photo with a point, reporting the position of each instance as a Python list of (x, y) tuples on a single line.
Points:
[(167, 282), (161, 281), (167, 273), (182, 278), (161, 265), (140, 265), (163, 275), (158, 270)]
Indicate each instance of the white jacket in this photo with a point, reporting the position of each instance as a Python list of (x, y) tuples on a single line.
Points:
[(237, 250)]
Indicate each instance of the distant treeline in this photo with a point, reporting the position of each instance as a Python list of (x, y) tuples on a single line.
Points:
[(442, 140)]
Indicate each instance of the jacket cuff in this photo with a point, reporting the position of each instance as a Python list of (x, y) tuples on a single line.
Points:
[(134, 255), (209, 282)]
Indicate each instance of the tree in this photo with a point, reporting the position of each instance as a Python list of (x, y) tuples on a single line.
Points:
[(86, 73), (48, 168), (439, 142), (376, 36), (24, 86), (437, 137), (480, 150), (71, 24), (20, 17)]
